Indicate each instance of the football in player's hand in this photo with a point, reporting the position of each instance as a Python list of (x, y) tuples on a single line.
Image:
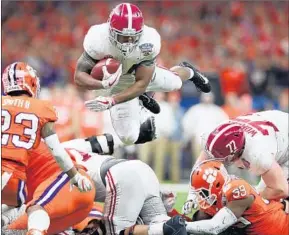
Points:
[(111, 66)]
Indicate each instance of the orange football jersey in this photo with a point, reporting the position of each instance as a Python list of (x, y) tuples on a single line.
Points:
[(22, 119), (41, 165), (91, 123), (263, 217)]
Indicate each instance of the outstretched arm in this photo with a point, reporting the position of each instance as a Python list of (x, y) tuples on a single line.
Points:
[(276, 183), (62, 158), (225, 218), (143, 76)]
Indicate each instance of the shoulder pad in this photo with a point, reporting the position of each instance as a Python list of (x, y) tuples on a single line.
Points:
[(49, 112), (150, 44), (95, 39)]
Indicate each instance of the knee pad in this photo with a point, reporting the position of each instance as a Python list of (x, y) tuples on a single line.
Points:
[(129, 138), (102, 144), (147, 131)]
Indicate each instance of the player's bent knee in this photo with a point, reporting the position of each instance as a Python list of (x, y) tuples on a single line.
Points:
[(129, 136), (128, 139)]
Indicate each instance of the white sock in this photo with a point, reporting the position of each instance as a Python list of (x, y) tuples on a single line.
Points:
[(156, 229), (39, 220), (79, 144)]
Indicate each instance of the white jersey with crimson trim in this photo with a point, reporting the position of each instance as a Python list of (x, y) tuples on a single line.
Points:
[(92, 162), (98, 46), (266, 139)]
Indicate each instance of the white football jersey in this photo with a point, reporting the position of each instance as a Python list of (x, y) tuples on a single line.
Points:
[(266, 139), (98, 46), (92, 162)]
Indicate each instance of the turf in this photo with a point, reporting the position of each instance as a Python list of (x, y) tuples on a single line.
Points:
[(181, 199)]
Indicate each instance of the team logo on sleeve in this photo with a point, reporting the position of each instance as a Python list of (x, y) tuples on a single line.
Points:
[(146, 48)]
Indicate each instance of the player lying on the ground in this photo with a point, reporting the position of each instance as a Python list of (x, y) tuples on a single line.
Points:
[(258, 143), (114, 186), (25, 120), (226, 200), (125, 38)]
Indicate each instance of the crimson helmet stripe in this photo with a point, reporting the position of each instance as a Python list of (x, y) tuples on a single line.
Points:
[(221, 131), (129, 13)]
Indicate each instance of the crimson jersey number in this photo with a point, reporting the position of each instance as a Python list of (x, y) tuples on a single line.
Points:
[(30, 132)]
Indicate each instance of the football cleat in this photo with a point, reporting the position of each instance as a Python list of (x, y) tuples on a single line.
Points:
[(201, 82), (150, 103)]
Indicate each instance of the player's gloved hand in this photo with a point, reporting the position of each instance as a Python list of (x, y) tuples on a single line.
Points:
[(100, 103), (169, 199), (110, 80), (81, 182), (190, 204)]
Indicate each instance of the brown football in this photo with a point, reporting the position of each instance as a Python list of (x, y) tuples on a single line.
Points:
[(111, 66)]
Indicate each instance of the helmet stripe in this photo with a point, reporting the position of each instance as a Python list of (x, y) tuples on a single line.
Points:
[(220, 133), (129, 13), (12, 73)]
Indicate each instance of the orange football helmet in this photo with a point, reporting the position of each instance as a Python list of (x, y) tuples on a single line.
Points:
[(19, 76), (207, 181)]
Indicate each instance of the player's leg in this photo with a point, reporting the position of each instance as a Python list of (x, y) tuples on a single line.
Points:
[(172, 79), (38, 220), (13, 191), (133, 192), (149, 102), (187, 71), (153, 210), (166, 80), (64, 205), (124, 199), (101, 144), (132, 123)]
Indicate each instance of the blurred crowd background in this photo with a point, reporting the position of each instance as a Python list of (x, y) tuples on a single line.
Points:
[(241, 46)]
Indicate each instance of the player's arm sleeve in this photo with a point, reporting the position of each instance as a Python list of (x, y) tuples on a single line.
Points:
[(275, 182), (264, 156), (52, 141), (219, 223), (85, 63), (48, 112), (152, 49), (92, 43)]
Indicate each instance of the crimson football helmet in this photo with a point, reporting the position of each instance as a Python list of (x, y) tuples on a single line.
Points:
[(19, 76), (207, 181), (125, 27), (226, 143)]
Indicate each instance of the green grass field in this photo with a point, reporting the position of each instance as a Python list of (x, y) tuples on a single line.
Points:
[(181, 198)]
